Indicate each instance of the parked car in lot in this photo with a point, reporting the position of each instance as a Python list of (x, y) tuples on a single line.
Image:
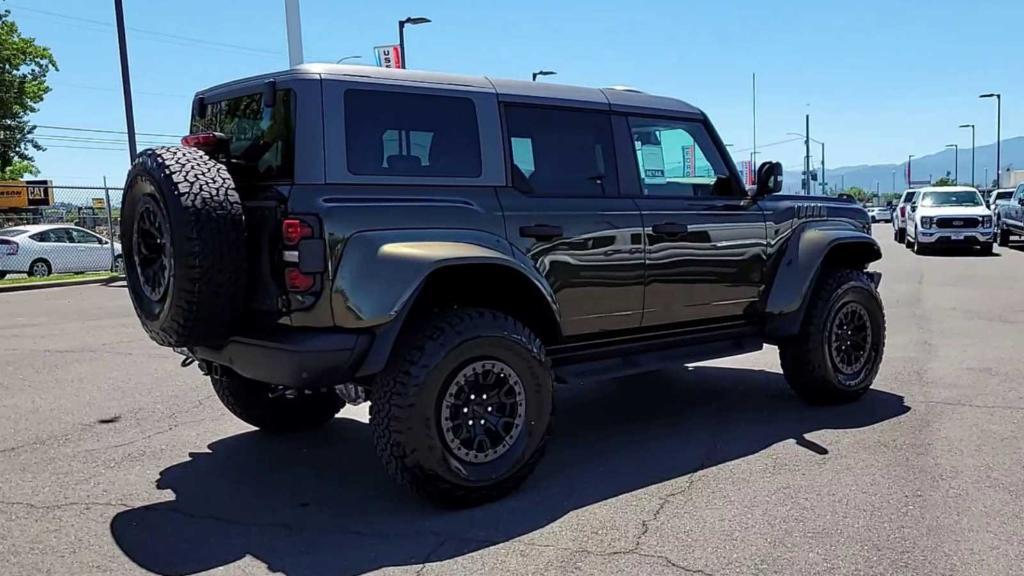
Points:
[(899, 216), (880, 214), (40, 250), (996, 197), (949, 216), (1010, 217), (450, 247)]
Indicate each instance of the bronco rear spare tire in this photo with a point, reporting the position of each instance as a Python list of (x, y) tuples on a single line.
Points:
[(183, 237)]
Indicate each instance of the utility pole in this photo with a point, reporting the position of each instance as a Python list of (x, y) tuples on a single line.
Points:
[(894, 181), (126, 81), (910, 171), (753, 153), (974, 181), (293, 26), (821, 177), (807, 153)]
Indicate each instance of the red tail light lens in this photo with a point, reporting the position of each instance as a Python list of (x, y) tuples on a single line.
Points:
[(8, 248), (206, 141), (296, 281), (293, 230)]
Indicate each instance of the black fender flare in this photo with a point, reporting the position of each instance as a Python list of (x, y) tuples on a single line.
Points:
[(381, 273), (808, 250)]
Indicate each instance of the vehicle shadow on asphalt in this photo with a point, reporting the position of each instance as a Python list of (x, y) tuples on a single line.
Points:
[(319, 503)]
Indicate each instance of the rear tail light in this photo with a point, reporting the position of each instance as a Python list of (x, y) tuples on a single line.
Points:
[(205, 141), (296, 281), (294, 230), (903, 211), (8, 248)]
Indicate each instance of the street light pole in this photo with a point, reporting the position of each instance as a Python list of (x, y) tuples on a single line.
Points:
[(353, 57), (126, 81), (910, 171), (807, 151), (293, 27), (534, 76), (401, 35), (974, 181), (893, 181), (999, 134), (956, 162)]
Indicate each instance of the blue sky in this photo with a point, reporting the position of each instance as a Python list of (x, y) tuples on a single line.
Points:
[(881, 79)]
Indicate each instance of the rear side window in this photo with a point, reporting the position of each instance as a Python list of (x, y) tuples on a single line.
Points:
[(261, 140), (60, 235), (561, 152), (12, 232), (408, 134)]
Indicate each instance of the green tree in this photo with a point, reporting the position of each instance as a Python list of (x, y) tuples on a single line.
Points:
[(18, 170), (944, 181), (859, 194), (24, 66)]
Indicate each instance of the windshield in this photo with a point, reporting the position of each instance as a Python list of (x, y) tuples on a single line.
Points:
[(12, 232), (970, 198)]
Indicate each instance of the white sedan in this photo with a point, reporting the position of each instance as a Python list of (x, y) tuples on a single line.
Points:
[(880, 214), (40, 250)]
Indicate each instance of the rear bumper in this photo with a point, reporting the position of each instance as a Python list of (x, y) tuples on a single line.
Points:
[(292, 357)]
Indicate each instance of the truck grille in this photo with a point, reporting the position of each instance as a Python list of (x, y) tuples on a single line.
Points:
[(954, 222)]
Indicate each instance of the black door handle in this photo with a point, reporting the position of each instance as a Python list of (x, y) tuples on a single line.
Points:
[(669, 229), (541, 231)]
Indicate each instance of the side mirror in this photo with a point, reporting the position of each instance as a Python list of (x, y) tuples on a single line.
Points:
[(769, 178), (913, 207), (1020, 200)]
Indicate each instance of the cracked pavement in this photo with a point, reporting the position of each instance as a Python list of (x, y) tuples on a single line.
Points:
[(113, 460)]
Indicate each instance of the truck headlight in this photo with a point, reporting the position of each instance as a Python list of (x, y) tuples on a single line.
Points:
[(926, 221), (986, 222)]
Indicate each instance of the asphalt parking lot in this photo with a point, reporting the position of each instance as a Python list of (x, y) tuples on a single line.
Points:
[(113, 460)]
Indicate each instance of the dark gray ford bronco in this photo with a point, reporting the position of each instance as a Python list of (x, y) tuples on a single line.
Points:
[(450, 247)]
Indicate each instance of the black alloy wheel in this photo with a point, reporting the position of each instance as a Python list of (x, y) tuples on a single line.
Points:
[(152, 256), (483, 411), (850, 340)]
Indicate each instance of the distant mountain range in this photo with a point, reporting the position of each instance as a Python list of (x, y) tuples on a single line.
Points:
[(932, 166)]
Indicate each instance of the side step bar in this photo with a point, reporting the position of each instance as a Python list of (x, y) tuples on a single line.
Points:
[(636, 358)]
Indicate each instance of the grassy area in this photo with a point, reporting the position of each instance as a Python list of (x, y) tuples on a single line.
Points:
[(55, 278)]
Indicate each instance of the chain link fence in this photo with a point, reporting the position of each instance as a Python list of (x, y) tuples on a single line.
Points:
[(48, 230)]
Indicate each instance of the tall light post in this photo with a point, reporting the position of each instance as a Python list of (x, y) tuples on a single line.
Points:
[(353, 57), (894, 181), (534, 76), (412, 21), (910, 171), (999, 132), (956, 162), (126, 81), (293, 28), (821, 176), (974, 181)]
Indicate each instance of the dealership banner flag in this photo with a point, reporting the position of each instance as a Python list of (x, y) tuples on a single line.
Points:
[(389, 56)]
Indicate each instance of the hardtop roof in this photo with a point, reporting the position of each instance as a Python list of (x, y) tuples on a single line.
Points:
[(622, 99)]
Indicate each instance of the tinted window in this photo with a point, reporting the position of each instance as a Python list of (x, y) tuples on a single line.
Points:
[(561, 152), (405, 134), (83, 237), (677, 159), (261, 140), (12, 232), (61, 235)]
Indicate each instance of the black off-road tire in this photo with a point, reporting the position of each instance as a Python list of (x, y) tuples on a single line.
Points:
[(807, 362), (405, 413), (202, 212), (901, 235), (273, 409), (1004, 237)]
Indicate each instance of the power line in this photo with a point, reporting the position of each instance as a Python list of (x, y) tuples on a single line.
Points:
[(102, 89), (156, 35), (99, 131), (779, 143)]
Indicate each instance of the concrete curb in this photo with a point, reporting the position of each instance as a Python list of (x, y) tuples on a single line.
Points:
[(59, 283)]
